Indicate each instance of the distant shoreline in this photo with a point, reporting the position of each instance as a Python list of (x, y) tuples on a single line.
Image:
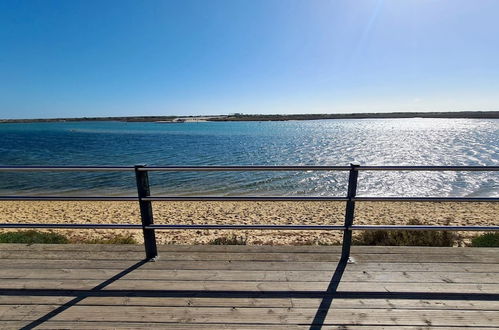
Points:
[(275, 117)]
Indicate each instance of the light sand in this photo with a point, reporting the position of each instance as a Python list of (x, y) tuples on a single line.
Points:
[(310, 213)]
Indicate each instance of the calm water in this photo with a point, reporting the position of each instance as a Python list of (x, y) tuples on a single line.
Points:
[(327, 142)]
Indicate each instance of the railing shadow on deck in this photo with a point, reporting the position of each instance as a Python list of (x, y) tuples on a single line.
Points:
[(82, 295)]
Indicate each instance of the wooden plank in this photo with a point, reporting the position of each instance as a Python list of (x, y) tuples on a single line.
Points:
[(311, 303), (147, 325), (193, 256), (81, 324), (252, 276), (123, 248), (34, 300), (426, 267), (405, 258), (246, 248), (73, 264), (138, 250), (231, 286), (24, 264), (261, 316), (298, 286), (240, 256)]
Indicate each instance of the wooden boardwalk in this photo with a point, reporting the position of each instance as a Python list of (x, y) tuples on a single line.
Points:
[(247, 287)]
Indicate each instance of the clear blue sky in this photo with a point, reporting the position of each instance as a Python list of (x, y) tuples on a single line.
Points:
[(115, 58)]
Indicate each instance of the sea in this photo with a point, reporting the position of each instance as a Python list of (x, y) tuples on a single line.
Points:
[(415, 141)]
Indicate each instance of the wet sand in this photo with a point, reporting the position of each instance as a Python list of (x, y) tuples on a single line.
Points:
[(305, 213)]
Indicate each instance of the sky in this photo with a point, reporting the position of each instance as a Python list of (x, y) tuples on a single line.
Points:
[(96, 58)]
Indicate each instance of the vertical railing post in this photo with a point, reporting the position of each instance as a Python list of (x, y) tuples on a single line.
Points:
[(146, 216), (349, 211)]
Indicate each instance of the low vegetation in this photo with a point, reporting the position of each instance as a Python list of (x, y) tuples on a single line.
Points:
[(375, 237), (486, 240), (407, 237), (231, 240), (33, 237), (38, 237)]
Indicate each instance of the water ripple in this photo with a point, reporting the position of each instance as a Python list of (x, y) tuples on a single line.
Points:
[(325, 142)]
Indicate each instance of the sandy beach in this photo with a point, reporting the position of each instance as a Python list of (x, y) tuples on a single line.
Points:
[(311, 213)]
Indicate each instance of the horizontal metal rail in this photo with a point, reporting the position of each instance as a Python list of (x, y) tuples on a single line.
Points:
[(172, 168), (69, 198), (244, 168), (171, 227), (428, 168), (423, 227), (241, 199), (247, 199), (70, 226), (246, 227), (426, 199), (66, 168), (241, 168)]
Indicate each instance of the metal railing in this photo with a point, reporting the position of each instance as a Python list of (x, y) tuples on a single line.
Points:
[(148, 226)]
